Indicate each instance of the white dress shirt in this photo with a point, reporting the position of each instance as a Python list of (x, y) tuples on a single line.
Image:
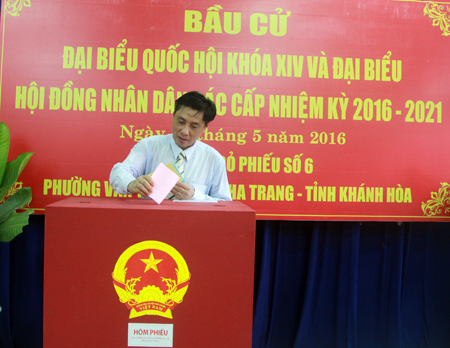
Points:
[(204, 167)]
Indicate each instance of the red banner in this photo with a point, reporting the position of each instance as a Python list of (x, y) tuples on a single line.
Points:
[(326, 110)]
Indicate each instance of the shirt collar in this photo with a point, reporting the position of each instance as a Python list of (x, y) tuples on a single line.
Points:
[(176, 149)]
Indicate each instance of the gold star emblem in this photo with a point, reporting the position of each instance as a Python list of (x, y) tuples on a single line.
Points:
[(151, 263)]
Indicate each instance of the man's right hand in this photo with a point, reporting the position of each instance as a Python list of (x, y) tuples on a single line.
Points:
[(142, 185)]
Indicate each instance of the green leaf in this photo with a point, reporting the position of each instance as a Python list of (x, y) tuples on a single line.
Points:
[(4, 191), (17, 200), (11, 222), (13, 225), (4, 148), (12, 172)]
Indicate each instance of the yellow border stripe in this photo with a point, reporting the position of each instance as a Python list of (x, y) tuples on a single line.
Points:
[(434, 2), (357, 216), (3, 51)]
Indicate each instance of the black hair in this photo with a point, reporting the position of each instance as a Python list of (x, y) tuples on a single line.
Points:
[(197, 101)]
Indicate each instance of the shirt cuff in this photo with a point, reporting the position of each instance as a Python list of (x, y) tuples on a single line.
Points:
[(126, 183), (198, 196)]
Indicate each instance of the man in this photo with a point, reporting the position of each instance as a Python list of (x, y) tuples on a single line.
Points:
[(204, 169)]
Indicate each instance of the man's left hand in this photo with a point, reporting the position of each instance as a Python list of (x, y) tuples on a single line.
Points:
[(183, 191)]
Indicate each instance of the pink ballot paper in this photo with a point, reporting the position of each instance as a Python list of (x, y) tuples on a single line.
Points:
[(164, 180)]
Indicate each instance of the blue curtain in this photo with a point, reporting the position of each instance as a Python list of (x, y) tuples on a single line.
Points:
[(351, 284), (21, 287), (317, 284)]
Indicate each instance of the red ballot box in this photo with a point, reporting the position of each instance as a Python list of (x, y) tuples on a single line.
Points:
[(128, 272)]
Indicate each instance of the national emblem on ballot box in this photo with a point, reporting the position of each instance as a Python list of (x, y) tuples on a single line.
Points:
[(151, 278)]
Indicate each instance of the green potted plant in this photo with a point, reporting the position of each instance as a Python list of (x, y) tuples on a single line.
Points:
[(12, 195)]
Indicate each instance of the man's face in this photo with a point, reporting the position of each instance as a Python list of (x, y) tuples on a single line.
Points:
[(187, 127)]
